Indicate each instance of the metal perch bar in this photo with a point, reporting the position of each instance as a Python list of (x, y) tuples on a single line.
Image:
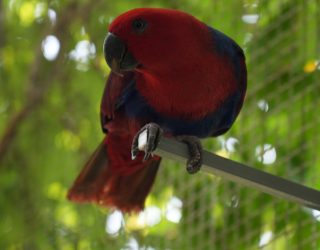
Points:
[(238, 172)]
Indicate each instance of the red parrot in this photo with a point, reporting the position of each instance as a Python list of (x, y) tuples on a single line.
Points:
[(171, 75)]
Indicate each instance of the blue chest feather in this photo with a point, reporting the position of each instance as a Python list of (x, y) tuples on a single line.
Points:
[(214, 124)]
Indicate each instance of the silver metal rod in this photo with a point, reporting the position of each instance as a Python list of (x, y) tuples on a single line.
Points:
[(237, 172)]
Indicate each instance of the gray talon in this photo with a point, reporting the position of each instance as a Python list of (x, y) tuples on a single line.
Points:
[(195, 151), (154, 133)]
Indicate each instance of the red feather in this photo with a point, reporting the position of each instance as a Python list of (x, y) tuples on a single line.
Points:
[(102, 183), (169, 69), (110, 178)]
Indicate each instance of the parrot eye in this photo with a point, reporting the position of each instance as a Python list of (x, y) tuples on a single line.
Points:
[(139, 25)]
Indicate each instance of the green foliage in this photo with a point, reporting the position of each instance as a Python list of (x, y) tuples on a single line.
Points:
[(49, 125)]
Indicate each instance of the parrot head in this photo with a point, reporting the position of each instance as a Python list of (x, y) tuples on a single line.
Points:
[(152, 40)]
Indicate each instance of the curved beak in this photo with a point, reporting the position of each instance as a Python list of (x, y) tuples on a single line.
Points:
[(117, 56)]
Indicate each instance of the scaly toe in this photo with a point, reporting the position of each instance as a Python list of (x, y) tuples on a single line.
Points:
[(195, 153)]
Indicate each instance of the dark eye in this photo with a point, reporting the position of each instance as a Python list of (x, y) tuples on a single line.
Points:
[(139, 25)]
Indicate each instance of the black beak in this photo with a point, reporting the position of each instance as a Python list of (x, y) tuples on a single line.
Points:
[(117, 56)]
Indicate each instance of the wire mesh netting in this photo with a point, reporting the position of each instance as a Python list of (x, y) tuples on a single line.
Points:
[(51, 82)]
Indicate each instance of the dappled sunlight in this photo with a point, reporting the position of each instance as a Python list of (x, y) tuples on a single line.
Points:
[(52, 16), (263, 105), (133, 244), (114, 222), (84, 51), (266, 154), (151, 216), (265, 238), (316, 214), (40, 10), (222, 141), (250, 18), (231, 144), (228, 145), (50, 47), (174, 210)]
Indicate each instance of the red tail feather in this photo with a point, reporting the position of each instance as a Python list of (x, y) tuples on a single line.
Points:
[(105, 182)]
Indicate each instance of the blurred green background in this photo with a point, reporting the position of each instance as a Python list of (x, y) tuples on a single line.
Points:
[(52, 75)]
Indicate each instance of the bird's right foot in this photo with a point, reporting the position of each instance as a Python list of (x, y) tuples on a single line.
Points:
[(153, 134)]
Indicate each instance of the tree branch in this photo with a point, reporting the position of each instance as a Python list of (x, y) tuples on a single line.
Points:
[(43, 73)]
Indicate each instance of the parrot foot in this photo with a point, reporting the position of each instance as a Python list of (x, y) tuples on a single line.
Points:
[(153, 134), (195, 151)]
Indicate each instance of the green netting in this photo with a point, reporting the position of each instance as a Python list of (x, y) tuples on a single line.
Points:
[(49, 107)]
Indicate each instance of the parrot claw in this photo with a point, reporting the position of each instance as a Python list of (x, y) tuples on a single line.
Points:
[(153, 134), (195, 151)]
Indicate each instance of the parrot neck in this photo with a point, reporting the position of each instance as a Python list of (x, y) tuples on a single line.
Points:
[(189, 96)]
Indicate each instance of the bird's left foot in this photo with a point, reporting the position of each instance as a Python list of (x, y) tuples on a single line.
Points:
[(195, 152), (153, 136)]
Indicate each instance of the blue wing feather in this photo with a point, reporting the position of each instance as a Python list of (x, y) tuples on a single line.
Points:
[(227, 47)]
